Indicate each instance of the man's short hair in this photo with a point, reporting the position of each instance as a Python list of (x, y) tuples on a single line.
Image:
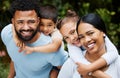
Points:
[(24, 5)]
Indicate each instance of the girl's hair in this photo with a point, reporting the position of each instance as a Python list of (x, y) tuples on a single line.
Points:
[(49, 12), (94, 20), (71, 16)]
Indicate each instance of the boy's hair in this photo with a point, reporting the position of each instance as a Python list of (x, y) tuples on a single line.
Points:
[(49, 12), (24, 5)]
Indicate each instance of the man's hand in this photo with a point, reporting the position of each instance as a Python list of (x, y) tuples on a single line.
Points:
[(2, 53)]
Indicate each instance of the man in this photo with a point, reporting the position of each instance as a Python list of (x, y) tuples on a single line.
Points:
[(25, 19)]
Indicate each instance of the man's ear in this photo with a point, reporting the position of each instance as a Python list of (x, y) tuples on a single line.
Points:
[(12, 20), (38, 19)]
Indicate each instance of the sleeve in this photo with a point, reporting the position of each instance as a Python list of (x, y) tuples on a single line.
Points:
[(6, 32), (76, 54), (67, 70), (112, 53)]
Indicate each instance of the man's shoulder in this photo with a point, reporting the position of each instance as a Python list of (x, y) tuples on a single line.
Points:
[(7, 28), (44, 39)]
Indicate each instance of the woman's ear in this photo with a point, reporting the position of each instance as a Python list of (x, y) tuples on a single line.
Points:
[(104, 35)]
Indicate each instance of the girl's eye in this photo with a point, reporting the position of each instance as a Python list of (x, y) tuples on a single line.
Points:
[(72, 32), (65, 38), (80, 36)]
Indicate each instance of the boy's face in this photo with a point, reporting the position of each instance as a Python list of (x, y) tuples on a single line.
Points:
[(46, 26)]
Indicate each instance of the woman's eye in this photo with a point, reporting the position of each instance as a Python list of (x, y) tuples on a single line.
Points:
[(90, 33)]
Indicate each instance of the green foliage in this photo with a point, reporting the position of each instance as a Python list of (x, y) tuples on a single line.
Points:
[(112, 29), (104, 8), (4, 69)]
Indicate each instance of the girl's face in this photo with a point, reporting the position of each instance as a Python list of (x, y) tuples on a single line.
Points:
[(46, 26), (68, 30), (91, 38)]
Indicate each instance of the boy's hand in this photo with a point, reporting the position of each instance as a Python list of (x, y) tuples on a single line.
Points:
[(20, 44), (27, 49)]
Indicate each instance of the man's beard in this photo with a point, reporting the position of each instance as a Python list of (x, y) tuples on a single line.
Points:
[(28, 38)]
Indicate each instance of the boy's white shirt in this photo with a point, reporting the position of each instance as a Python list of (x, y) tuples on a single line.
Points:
[(56, 34)]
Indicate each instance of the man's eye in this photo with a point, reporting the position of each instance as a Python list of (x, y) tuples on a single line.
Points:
[(19, 22), (31, 21)]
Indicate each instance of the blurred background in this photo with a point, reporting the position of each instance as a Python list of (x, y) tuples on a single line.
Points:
[(109, 10)]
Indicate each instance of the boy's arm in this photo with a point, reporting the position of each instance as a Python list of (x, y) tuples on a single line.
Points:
[(51, 47), (48, 48), (18, 42), (12, 70)]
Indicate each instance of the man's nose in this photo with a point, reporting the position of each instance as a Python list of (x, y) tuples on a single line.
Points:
[(26, 26)]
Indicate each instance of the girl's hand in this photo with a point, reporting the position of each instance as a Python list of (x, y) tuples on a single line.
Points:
[(83, 69), (100, 74)]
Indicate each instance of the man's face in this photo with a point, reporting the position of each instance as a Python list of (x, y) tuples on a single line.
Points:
[(26, 24)]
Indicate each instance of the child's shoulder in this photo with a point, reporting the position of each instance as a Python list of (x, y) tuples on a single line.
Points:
[(56, 33)]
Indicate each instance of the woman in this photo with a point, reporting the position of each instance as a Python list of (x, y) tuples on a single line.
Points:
[(91, 32)]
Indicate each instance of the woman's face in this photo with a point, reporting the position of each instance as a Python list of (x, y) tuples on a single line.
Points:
[(91, 38), (68, 30)]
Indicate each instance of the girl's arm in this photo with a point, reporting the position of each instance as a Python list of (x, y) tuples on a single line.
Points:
[(107, 58), (112, 52), (76, 54), (100, 74)]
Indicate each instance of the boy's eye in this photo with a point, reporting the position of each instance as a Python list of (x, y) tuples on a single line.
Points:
[(50, 25), (41, 24)]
